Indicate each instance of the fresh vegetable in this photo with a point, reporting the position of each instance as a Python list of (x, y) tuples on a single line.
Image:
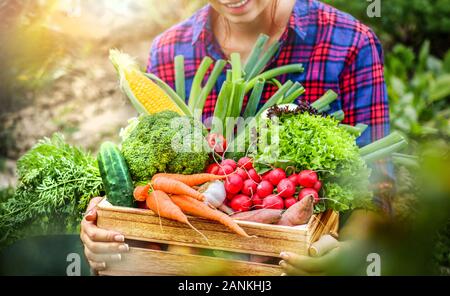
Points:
[(115, 175), (233, 184), (265, 188), (317, 186), (276, 176), (307, 192), (294, 179), (245, 163), (298, 214), (155, 145), (307, 178), (213, 169), (289, 202), (55, 184), (286, 188), (257, 201), (225, 170), (254, 176), (249, 187), (217, 142), (273, 201), (229, 162), (241, 203), (265, 216), (190, 180), (172, 186), (215, 194), (146, 96), (196, 208), (141, 193), (242, 173)]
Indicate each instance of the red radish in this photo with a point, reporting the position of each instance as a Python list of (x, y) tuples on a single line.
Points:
[(242, 173), (254, 175), (249, 187), (213, 169), (307, 179), (230, 195), (142, 205), (309, 191), (225, 170), (241, 203), (318, 186), (276, 176), (257, 201), (229, 162), (294, 179), (264, 189), (234, 184), (289, 202), (265, 176), (286, 188), (245, 163), (273, 202), (217, 142)]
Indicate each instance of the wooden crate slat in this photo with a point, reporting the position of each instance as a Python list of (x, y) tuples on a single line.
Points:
[(150, 262)]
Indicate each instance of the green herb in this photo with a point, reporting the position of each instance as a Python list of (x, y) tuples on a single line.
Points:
[(56, 183)]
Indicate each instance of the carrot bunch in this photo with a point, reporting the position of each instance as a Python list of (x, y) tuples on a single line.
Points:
[(171, 196)]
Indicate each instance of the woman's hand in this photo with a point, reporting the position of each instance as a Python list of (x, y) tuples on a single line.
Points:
[(100, 246), (294, 264)]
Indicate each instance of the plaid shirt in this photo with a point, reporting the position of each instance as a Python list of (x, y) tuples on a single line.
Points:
[(337, 51)]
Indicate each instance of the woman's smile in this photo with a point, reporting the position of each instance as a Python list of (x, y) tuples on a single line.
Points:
[(237, 7)]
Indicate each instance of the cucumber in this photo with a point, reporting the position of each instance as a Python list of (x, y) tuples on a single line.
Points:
[(115, 175)]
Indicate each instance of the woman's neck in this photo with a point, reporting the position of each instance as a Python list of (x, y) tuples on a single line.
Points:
[(234, 37)]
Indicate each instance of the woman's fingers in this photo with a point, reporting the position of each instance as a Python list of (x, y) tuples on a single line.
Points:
[(91, 212), (102, 247), (100, 235), (98, 266), (309, 264), (95, 257)]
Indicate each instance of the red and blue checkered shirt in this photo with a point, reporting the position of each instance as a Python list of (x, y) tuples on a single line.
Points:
[(337, 51)]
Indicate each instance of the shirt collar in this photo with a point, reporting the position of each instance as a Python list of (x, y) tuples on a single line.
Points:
[(297, 22)]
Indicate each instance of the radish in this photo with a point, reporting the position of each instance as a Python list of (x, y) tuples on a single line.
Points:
[(213, 169), (254, 175), (307, 178), (245, 163), (257, 201), (229, 162), (234, 184), (264, 189), (241, 203), (217, 142), (294, 179), (289, 202), (249, 187), (309, 191), (276, 176), (242, 173), (230, 195), (286, 188), (265, 176), (225, 170), (273, 202), (318, 186)]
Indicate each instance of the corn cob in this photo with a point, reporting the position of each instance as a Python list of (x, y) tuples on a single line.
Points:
[(145, 95)]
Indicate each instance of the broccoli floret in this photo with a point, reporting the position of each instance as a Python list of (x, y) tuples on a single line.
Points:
[(159, 144)]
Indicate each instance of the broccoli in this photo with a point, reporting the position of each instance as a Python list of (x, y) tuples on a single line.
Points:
[(165, 142)]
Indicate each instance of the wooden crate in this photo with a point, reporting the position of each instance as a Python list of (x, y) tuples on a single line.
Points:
[(145, 226)]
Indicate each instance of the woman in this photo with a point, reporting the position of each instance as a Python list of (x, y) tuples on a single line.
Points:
[(338, 53)]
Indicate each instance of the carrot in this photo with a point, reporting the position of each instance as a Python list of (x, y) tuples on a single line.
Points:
[(141, 193), (160, 203), (298, 214), (265, 216), (176, 187), (191, 180), (196, 208)]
